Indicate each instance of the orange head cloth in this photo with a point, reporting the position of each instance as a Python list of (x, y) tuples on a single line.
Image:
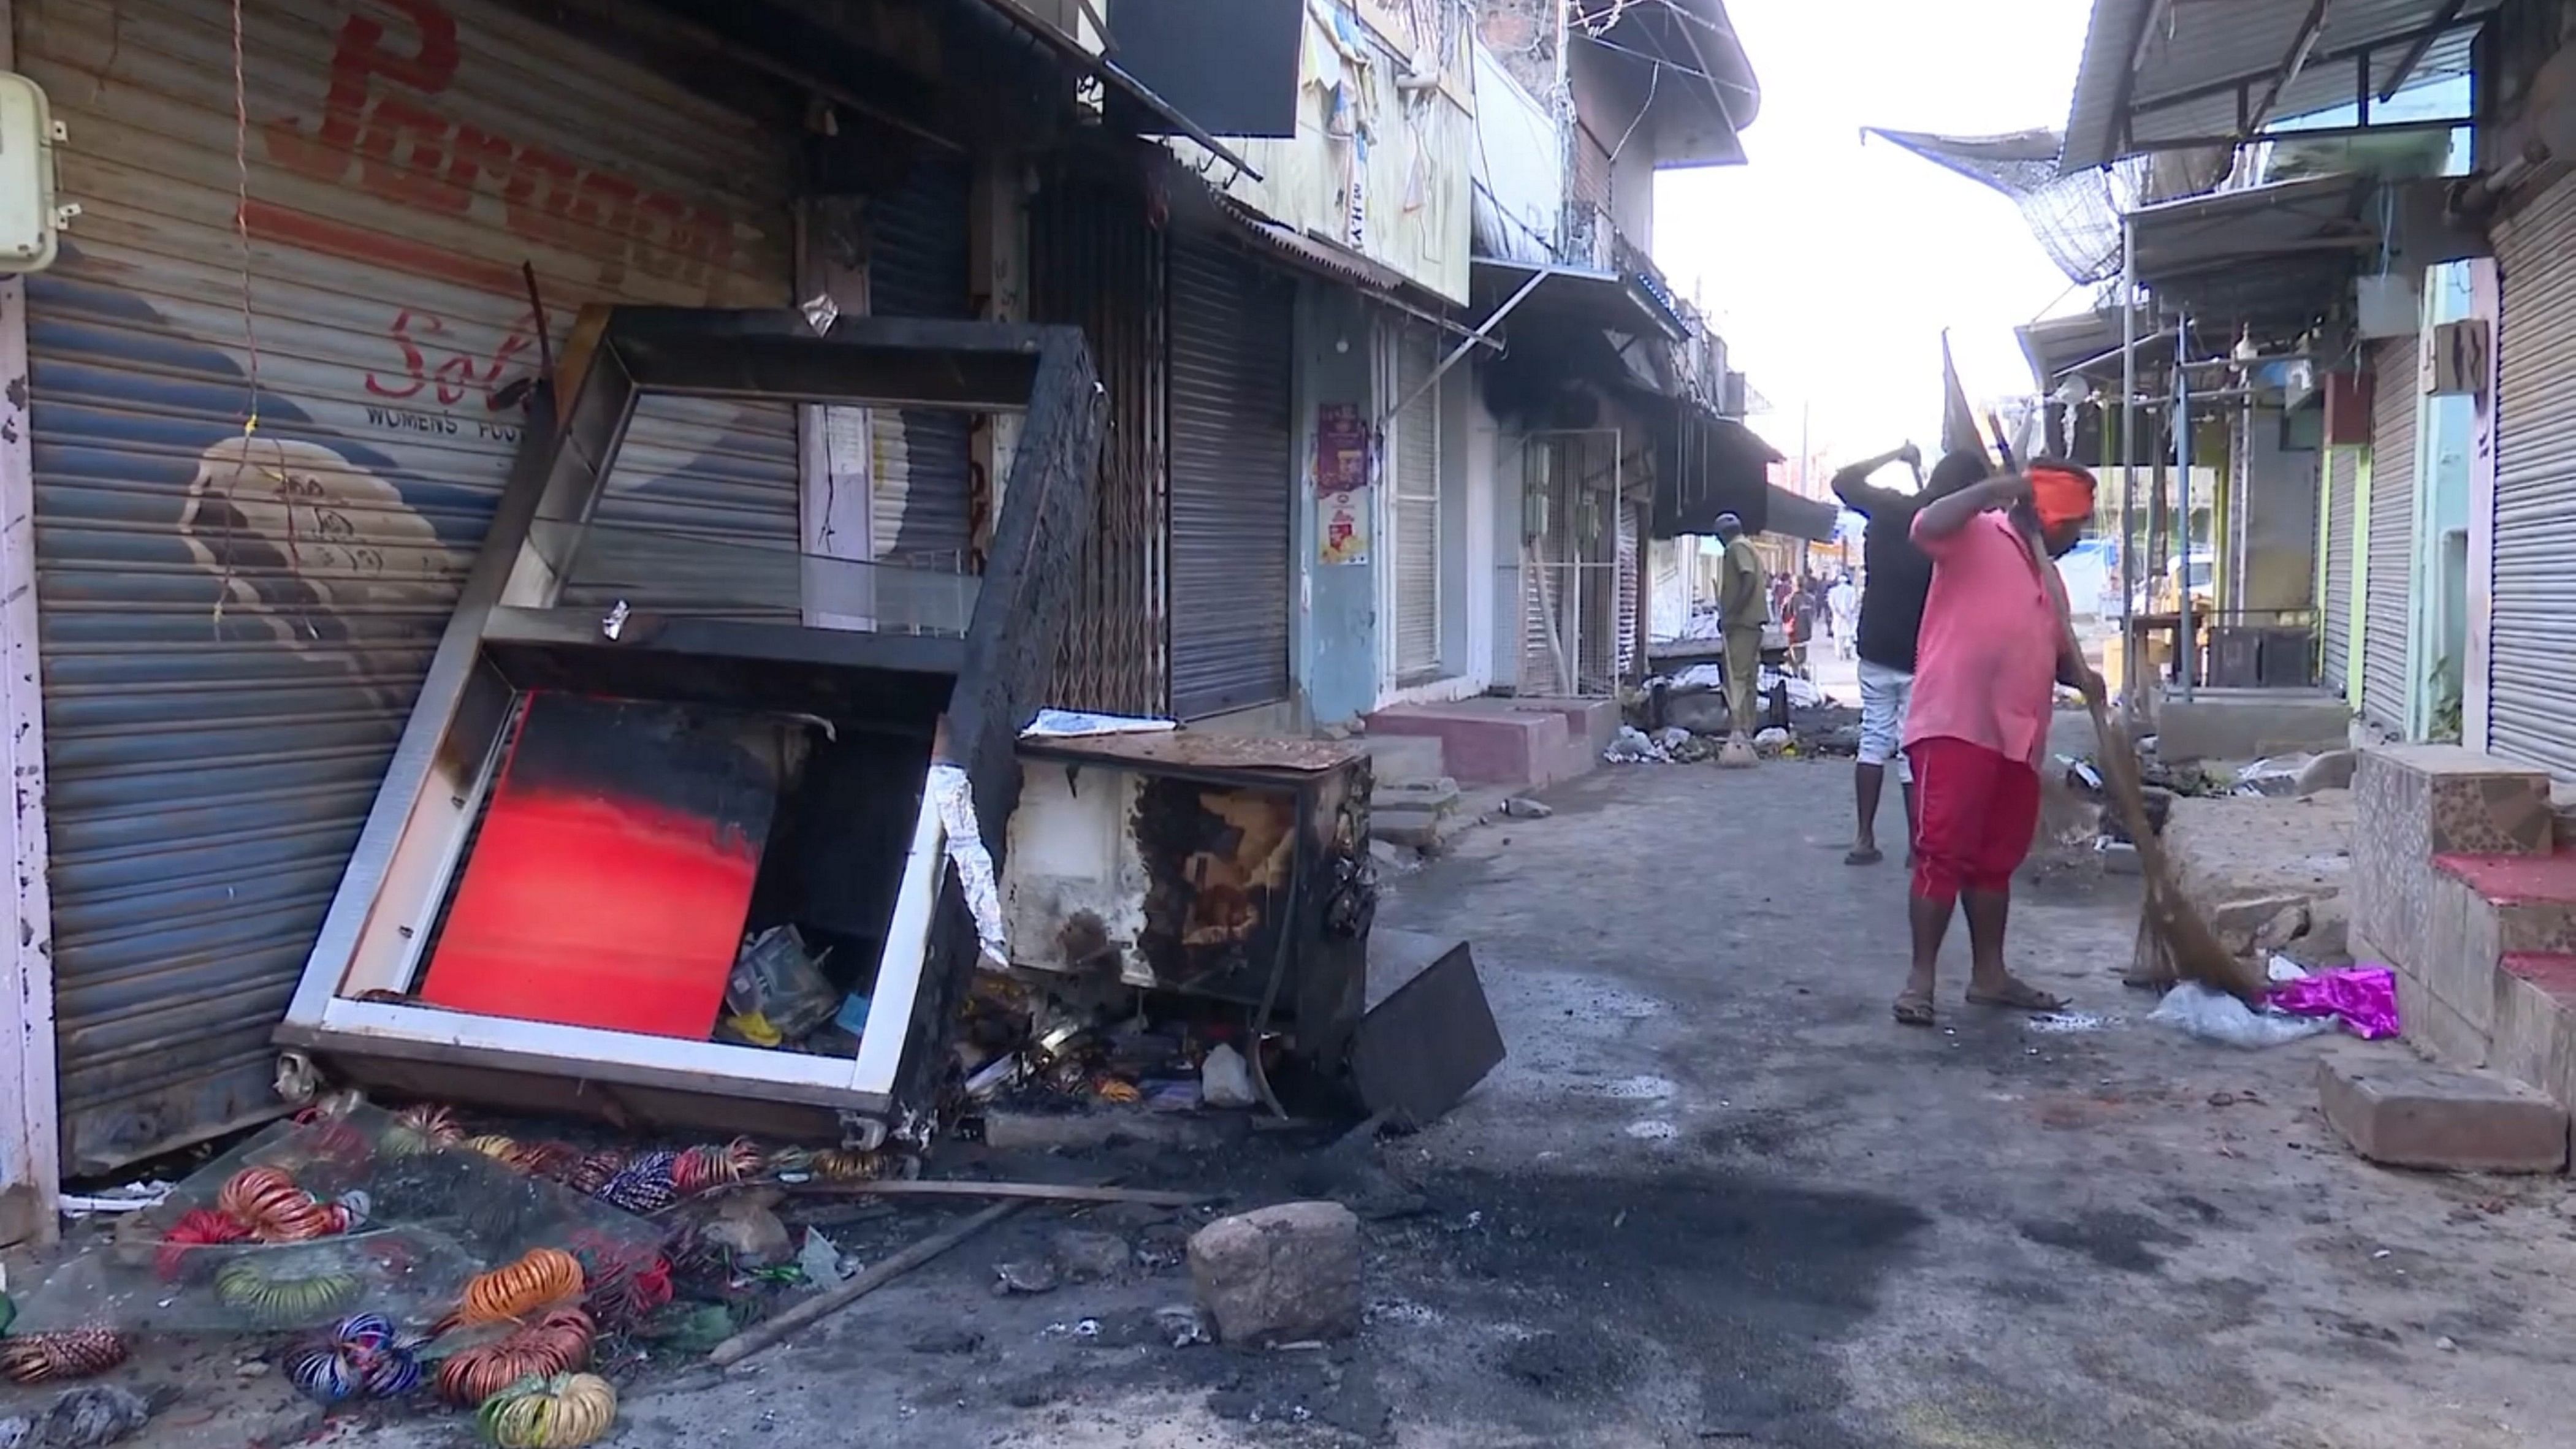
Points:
[(2061, 493)]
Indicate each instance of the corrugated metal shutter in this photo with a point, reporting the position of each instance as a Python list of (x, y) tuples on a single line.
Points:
[(2385, 681), (1231, 333), (1417, 505), (233, 631), (922, 511), (2534, 583), (2343, 475)]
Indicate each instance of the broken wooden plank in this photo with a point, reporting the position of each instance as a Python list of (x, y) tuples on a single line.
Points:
[(763, 1335), (1041, 1191)]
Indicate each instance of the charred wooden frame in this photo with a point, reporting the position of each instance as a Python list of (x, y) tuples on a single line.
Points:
[(975, 690)]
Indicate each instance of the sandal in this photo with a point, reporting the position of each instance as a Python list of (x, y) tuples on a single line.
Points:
[(1870, 856), (2017, 995), (1914, 1008)]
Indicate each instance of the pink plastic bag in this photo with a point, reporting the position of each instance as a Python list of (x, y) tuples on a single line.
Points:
[(2363, 998)]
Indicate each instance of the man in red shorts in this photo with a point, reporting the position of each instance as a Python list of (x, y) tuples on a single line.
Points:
[(1994, 646)]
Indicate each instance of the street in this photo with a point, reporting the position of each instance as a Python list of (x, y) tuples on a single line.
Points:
[(1717, 1197)]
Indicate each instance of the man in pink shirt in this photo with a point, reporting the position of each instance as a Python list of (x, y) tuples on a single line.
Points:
[(1995, 644)]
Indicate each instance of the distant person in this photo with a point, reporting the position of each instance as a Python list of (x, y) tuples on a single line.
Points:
[(1995, 644), (1891, 614), (1842, 606), (1799, 622), (1742, 613)]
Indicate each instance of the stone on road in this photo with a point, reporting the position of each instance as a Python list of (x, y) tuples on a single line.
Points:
[(1280, 1274)]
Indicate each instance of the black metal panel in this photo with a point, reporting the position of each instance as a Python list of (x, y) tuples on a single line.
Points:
[(918, 266), (1231, 483), (1229, 65)]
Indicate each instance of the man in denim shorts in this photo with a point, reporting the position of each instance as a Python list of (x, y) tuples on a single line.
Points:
[(1891, 614)]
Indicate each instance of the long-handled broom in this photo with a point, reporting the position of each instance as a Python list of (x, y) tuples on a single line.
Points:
[(2188, 941)]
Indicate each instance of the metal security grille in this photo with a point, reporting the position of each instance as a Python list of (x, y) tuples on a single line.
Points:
[(235, 623), (1416, 507), (2343, 475), (1095, 262), (2386, 655), (1231, 481), (2534, 587)]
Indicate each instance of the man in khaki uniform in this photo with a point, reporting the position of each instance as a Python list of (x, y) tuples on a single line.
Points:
[(1743, 587)]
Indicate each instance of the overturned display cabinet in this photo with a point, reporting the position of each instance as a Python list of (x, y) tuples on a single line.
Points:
[(635, 749)]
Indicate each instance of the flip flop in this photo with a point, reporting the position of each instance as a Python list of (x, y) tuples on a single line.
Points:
[(1863, 857), (1914, 1008), (2017, 995)]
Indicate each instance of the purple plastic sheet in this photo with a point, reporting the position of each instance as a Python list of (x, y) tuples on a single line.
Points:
[(2363, 998)]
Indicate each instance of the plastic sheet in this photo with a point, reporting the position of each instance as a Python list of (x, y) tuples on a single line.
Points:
[(2213, 1015), (2363, 998), (436, 1216)]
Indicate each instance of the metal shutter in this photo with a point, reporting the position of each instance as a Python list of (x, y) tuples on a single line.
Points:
[(922, 511), (1231, 329), (2534, 583), (2343, 475), (233, 629), (2385, 681), (1417, 505)]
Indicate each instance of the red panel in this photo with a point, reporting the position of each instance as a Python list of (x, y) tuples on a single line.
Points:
[(585, 902)]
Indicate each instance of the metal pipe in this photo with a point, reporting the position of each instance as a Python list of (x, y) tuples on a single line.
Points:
[(2128, 454), (2184, 661)]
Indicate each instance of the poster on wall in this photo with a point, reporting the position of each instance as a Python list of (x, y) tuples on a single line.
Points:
[(1341, 448), (1342, 526)]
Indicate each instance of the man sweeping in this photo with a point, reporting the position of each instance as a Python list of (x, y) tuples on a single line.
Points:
[(1995, 644)]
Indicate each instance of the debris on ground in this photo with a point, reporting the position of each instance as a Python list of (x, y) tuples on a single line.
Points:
[(2212, 1015), (1283, 1274), (91, 1416), (1521, 807)]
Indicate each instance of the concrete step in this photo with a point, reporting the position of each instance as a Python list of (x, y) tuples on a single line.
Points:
[(1400, 759), (2404, 1113), (2535, 1023), (1486, 742), (2415, 803), (2484, 910), (1440, 794)]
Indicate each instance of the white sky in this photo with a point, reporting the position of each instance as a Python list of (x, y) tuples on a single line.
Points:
[(1831, 267)]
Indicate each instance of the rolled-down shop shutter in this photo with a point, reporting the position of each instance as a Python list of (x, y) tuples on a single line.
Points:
[(922, 510), (1230, 481), (234, 627), (1416, 508), (2533, 626), (2385, 686), (2343, 477)]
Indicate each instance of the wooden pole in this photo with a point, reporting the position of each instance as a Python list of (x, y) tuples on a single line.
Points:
[(764, 1335)]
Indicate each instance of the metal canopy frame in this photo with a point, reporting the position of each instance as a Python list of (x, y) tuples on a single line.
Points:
[(415, 838), (2232, 73)]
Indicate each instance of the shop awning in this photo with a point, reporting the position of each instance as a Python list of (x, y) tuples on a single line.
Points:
[(1788, 515), (2170, 75), (2268, 257), (1708, 465), (1613, 301)]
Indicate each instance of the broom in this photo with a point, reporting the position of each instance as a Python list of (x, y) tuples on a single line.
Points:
[(2188, 941)]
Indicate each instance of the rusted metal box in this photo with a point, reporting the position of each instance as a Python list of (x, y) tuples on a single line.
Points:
[(1229, 868)]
